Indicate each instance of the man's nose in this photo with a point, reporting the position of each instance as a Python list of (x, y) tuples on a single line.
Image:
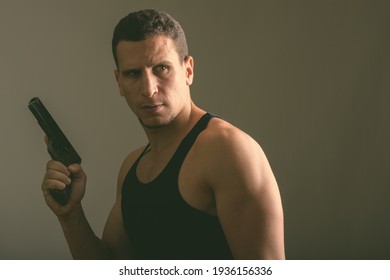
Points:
[(149, 85)]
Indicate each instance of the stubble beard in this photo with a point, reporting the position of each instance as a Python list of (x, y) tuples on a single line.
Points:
[(157, 125)]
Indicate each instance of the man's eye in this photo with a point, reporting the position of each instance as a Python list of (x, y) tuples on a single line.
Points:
[(131, 73), (159, 69)]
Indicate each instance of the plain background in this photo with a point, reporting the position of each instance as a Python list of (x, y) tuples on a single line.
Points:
[(309, 80)]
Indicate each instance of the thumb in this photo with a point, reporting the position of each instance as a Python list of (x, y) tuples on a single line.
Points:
[(77, 171)]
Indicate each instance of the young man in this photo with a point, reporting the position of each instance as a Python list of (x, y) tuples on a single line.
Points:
[(200, 189)]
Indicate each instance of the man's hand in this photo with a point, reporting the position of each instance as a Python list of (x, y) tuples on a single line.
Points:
[(57, 177)]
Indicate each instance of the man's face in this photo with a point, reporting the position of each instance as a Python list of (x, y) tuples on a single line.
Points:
[(154, 81)]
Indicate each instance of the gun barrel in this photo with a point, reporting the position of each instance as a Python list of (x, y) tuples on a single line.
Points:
[(44, 118)]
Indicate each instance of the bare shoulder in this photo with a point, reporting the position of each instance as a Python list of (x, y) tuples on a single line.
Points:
[(233, 162), (222, 132), (247, 199), (228, 149)]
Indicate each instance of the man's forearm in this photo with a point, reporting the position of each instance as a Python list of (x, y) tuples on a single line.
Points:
[(82, 241)]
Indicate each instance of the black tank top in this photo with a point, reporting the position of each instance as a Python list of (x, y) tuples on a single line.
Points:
[(160, 224)]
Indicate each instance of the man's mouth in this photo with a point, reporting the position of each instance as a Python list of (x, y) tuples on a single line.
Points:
[(152, 107)]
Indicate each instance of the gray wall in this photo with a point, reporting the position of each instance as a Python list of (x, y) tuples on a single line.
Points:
[(309, 80)]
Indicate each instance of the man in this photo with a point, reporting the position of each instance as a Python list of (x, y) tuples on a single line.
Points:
[(200, 189)]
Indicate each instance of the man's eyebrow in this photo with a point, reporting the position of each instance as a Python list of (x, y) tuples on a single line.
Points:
[(134, 72), (167, 62), (130, 69)]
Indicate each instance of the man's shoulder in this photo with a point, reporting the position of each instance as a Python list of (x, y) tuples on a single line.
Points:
[(229, 154), (223, 144), (221, 134)]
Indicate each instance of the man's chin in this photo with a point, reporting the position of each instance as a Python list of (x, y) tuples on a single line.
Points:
[(153, 124)]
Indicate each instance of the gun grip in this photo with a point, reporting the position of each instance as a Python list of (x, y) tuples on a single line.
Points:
[(61, 196)]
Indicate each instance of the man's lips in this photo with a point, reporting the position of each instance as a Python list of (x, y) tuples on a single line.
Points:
[(152, 107), (147, 106)]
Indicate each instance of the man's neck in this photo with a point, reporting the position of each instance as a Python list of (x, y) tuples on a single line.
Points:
[(169, 136)]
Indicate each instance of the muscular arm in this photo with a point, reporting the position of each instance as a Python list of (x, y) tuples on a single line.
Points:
[(82, 241), (247, 197)]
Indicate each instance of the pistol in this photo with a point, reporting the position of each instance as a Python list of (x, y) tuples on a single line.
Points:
[(58, 145)]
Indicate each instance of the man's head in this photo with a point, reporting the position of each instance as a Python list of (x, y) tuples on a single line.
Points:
[(140, 25), (154, 71)]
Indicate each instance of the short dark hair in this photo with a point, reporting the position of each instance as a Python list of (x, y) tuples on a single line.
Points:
[(140, 25)]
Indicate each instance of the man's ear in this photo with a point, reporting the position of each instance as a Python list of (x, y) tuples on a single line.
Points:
[(189, 67), (116, 73)]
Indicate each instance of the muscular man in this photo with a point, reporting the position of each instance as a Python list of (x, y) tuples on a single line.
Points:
[(200, 189)]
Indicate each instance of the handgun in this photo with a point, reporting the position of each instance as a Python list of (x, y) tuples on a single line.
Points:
[(58, 145)]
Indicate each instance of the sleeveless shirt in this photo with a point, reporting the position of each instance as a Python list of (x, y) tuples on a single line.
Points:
[(160, 224)]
